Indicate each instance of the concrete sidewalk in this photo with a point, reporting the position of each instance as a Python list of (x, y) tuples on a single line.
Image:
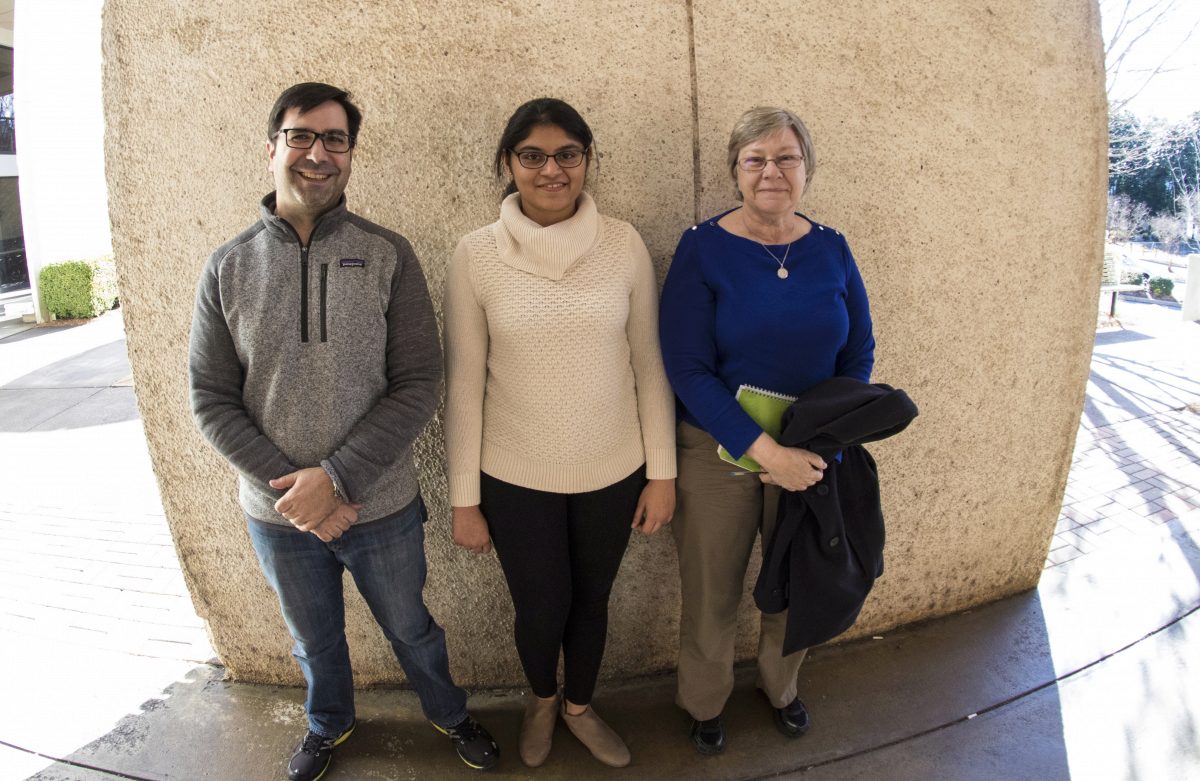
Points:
[(1091, 676)]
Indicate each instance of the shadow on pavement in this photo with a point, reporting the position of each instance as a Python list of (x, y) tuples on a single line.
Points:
[(1120, 389), (1105, 338), (35, 332), (82, 390), (98, 367)]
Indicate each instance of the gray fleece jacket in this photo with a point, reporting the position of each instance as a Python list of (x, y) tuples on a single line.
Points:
[(320, 355)]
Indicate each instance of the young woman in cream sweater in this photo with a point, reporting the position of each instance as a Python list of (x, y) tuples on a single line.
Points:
[(559, 416)]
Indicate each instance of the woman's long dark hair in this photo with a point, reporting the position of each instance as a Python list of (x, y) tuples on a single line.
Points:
[(541, 111)]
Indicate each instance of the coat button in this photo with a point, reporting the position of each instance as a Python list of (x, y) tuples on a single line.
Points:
[(833, 543), (822, 490)]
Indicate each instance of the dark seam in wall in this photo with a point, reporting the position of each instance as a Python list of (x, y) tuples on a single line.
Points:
[(695, 115)]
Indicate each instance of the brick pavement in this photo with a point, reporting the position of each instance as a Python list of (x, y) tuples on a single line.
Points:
[(1136, 464), (86, 556), (1127, 478), (97, 579)]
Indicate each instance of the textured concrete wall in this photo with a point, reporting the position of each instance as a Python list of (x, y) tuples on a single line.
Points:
[(960, 148)]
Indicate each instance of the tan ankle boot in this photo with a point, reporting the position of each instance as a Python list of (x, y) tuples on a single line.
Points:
[(599, 738), (537, 729)]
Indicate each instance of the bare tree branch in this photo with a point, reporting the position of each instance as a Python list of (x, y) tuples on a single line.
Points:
[(1132, 26), (1177, 148)]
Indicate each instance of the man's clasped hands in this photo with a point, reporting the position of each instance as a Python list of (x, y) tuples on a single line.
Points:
[(311, 505)]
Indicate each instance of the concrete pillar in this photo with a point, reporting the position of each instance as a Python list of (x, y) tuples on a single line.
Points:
[(60, 134), (960, 148)]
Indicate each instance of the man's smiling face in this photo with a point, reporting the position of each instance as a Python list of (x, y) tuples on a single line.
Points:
[(309, 182)]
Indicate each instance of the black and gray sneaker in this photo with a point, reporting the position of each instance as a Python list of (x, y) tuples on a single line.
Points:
[(313, 755), (473, 743)]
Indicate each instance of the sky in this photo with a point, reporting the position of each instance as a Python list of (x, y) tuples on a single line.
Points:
[(1174, 93)]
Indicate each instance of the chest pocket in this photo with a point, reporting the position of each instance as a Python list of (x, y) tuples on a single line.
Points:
[(352, 298)]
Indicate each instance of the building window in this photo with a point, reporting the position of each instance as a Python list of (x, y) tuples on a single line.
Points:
[(8, 138), (14, 275)]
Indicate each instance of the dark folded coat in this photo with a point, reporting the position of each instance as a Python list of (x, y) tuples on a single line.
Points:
[(827, 548)]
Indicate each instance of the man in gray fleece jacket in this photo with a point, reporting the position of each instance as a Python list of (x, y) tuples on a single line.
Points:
[(314, 364)]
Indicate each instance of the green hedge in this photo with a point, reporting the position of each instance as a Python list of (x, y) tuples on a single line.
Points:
[(79, 288), (1161, 287)]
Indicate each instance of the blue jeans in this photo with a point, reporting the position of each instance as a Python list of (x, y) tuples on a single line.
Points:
[(386, 558)]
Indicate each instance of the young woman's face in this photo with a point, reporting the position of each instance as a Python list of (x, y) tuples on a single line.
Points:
[(548, 193)]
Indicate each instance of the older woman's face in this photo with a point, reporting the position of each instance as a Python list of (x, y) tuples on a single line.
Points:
[(773, 190)]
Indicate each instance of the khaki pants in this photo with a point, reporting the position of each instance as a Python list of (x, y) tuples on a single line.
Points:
[(716, 520)]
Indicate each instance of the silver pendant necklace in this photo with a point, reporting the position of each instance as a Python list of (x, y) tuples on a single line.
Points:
[(782, 273)]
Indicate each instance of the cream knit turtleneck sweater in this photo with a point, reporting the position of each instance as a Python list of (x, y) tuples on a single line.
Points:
[(553, 373)]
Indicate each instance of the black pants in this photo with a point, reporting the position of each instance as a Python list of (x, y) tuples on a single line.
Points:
[(560, 554)]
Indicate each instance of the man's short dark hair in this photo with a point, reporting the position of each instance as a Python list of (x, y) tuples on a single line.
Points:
[(308, 96)]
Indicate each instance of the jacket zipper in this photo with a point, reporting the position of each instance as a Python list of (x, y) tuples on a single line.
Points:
[(304, 284), (303, 293), (324, 282)]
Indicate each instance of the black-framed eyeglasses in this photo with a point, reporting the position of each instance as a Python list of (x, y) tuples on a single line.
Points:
[(756, 163), (536, 158), (303, 138)]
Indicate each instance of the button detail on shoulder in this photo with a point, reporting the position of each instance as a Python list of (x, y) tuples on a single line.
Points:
[(833, 543)]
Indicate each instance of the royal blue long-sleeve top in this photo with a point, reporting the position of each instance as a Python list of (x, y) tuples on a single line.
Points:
[(727, 320)]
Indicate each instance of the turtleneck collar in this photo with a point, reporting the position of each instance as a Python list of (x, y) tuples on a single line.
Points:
[(284, 229), (546, 251)]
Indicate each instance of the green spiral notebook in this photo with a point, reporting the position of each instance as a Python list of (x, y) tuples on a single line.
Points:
[(765, 408)]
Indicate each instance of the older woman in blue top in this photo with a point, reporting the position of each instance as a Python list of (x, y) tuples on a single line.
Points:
[(760, 295)]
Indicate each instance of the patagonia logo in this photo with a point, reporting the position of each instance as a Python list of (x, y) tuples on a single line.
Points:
[(352, 263)]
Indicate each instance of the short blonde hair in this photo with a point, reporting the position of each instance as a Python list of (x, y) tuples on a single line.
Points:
[(762, 121)]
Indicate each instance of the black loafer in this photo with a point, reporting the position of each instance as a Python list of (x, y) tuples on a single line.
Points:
[(708, 736), (791, 719)]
